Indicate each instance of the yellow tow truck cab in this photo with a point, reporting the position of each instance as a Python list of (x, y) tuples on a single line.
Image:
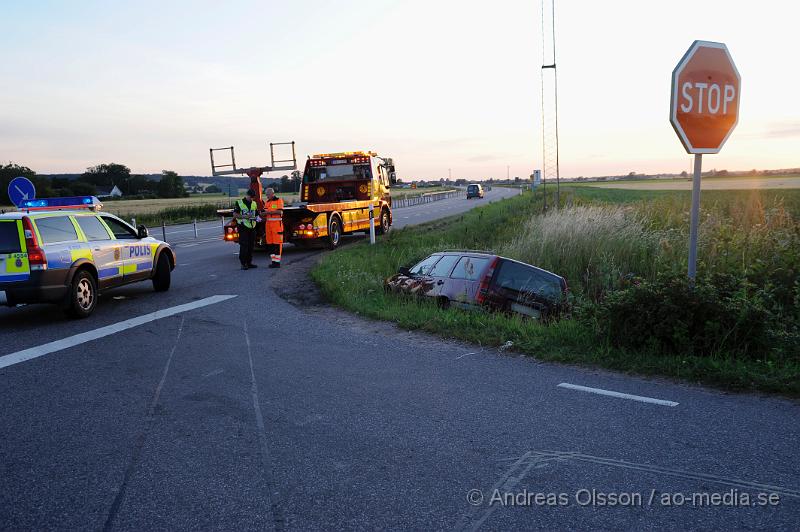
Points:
[(336, 194)]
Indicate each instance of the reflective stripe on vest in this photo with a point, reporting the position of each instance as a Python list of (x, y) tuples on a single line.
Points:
[(250, 224)]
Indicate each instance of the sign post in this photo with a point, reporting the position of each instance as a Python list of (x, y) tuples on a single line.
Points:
[(704, 110), (21, 189)]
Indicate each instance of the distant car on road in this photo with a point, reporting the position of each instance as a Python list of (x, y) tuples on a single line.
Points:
[(472, 279), (60, 250), (474, 191)]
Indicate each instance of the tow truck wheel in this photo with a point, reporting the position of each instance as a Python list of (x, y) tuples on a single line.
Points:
[(162, 277), (334, 233), (82, 295), (383, 227)]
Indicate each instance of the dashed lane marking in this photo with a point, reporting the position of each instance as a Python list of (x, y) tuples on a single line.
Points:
[(618, 395), (88, 336)]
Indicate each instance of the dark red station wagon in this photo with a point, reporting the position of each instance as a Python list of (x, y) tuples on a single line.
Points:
[(478, 279)]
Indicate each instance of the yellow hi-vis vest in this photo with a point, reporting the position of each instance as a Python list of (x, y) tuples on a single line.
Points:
[(245, 212)]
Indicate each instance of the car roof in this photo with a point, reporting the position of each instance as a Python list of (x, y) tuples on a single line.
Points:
[(16, 215), (471, 252)]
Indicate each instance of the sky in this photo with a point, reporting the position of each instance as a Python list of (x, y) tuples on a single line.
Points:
[(445, 87)]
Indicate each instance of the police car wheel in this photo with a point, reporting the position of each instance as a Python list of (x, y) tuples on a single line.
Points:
[(162, 277), (82, 295)]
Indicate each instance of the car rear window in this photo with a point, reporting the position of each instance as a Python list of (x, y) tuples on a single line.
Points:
[(93, 228), (424, 267), (443, 267), (469, 268), (9, 237), (521, 278), (55, 229), (472, 188)]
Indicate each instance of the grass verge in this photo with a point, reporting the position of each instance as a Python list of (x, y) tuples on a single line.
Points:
[(353, 278)]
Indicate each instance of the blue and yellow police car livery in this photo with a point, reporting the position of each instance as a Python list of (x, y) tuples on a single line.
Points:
[(64, 250)]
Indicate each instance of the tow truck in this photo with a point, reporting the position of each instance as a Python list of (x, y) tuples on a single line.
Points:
[(341, 193)]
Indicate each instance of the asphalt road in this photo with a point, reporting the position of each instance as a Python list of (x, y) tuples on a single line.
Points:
[(250, 413)]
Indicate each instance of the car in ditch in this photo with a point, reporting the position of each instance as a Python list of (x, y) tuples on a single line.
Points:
[(477, 279)]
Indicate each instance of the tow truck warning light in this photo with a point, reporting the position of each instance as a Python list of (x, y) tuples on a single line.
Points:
[(75, 202)]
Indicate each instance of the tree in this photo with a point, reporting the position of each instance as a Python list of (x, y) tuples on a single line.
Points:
[(138, 184), (171, 185), (684, 174), (107, 175), (296, 179), (81, 188), (213, 189)]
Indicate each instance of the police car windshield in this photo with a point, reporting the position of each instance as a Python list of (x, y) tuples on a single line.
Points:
[(9, 237)]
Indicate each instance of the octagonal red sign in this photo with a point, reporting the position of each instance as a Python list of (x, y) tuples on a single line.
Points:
[(704, 107)]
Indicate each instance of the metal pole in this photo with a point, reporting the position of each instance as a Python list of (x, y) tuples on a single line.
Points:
[(163, 231), (698, 164), (371, 213), (194, 224), (223, 224)]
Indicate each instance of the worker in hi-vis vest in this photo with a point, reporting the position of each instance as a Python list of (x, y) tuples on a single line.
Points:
[(245, 212), (273, 212)]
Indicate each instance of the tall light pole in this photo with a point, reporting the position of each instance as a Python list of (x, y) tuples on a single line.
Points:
[(549, 100)]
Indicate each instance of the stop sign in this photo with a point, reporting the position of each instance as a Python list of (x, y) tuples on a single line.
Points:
[(704, 107)]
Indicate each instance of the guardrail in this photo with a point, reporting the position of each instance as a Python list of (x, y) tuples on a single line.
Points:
[(397, 203), (430, 197)]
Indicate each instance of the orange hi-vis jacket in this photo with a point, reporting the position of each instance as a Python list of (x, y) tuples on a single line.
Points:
[(274, 217)]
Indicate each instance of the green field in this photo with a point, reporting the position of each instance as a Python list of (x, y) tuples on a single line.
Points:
[(708, 183), (624, 255)]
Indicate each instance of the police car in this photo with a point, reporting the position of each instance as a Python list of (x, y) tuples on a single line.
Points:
[(65, 251)]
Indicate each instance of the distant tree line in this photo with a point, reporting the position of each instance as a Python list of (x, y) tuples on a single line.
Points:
[(101, 177), (287, 183)]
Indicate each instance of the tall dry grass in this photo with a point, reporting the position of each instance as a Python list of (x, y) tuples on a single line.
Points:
[(594, 247)]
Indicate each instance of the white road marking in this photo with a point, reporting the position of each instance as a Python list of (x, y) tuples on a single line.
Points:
[(464, 355), (618, 395), (88, 336)]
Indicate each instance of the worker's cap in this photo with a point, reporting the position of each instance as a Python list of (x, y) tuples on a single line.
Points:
[(251, 193)]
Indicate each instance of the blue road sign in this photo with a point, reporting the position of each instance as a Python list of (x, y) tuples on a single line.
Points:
[(21, 189)]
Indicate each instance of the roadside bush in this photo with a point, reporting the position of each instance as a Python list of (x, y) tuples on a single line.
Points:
[(669, 316)]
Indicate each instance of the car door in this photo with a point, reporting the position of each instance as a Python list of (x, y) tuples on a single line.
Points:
[(440, 274), (106, 252), (58, 237), (136, 255), (464, 281)]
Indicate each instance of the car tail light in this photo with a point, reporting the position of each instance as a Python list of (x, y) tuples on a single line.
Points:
[(483, 290), (302, 227), (36, 257)]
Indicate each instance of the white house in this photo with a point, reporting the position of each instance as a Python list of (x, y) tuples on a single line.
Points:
[(113, 193)]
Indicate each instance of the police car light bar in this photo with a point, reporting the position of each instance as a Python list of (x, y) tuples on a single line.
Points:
[(50, 204)]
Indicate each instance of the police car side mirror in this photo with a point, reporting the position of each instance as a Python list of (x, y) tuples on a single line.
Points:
[(142, 232)]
